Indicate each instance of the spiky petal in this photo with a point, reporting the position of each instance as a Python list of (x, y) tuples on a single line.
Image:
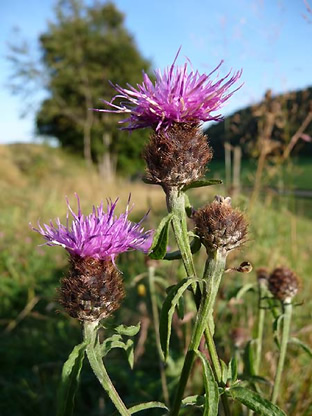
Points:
[(176, 96), (99, 235)]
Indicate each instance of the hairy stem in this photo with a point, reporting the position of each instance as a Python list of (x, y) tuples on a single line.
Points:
[(287, 306), (262, 291), (97, 365), (155, 314), (215, 266)]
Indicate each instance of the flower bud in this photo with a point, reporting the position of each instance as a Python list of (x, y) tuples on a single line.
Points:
[(177, 156), (283, 283), (93, 289), (219, 226)]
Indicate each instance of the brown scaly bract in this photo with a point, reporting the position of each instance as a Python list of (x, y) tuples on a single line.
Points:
[(219, 226), (177, 156), (93, 289)]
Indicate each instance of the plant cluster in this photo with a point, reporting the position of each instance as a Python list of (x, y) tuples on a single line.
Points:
[(173, 107)]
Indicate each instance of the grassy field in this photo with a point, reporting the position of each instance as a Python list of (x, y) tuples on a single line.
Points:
[(36, 339)]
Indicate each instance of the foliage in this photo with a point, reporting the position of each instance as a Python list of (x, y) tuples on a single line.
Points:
[(244, 126), (30, 273), (83, 49)]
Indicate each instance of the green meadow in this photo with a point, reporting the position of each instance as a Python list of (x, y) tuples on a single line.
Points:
[(37, 336)]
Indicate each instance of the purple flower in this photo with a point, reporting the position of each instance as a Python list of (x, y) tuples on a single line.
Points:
[(99, 235), (176, 97)]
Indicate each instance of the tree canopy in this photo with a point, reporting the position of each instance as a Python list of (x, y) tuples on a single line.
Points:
[(83, 49)]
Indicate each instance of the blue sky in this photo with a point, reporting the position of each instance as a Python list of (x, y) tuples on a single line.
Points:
[(269, 39)]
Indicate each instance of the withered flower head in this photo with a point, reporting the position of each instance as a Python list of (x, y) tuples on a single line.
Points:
[(283, 283), (219, 226), (93, 288), (177, 156)]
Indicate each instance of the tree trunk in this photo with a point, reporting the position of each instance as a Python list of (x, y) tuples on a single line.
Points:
[(107, 165)]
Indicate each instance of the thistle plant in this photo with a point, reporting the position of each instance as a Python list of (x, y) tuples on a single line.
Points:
[(93, 289), (173, 107)]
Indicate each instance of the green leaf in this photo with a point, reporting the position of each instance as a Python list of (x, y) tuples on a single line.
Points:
[(211, 388), (148, 405), (244, 289), (277, 329), (301, 344), (232, 371), (129, 331), (195, 400), (167, 311), (255, 402), (130, 353), (201, 183), (70, 380), (181, 307), (224, 372), (161, 237), (248, 358), (188, 206), (176, 255), (115, 341)]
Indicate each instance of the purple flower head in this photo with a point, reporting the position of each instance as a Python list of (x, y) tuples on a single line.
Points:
[(99, 235), (176, 96)]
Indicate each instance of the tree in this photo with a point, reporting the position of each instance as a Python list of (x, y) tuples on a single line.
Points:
[(84, 48)]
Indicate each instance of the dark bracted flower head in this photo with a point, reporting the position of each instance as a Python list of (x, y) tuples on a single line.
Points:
[(93, 288), (176, 96), (283, 284), (174, 107), (219, 226)]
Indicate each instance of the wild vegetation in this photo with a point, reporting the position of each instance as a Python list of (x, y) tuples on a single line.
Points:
[(37, 336)]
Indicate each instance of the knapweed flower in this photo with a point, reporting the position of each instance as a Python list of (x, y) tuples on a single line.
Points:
[(176, 96), (219, 226), (93, 288), (100, 235)]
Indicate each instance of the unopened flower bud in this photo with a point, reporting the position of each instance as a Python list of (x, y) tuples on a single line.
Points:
[(177, 156), (220, 226), (283, 283)]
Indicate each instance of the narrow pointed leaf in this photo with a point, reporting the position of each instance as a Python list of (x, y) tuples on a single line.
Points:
[(224, 371), (248, 358), (167, 311), (70, 380), (201, 183), (148, 405), (232, 374), (211, 388), (255, 402), (161, 237), (244, 289), (301, 344)]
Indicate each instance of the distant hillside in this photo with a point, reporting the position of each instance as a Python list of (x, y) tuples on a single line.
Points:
[(285, 112)]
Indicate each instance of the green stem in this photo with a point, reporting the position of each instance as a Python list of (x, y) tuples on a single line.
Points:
[(176, 205), (262, 291), (287, 306), (155, 314), (97, 365), (215, 264)]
